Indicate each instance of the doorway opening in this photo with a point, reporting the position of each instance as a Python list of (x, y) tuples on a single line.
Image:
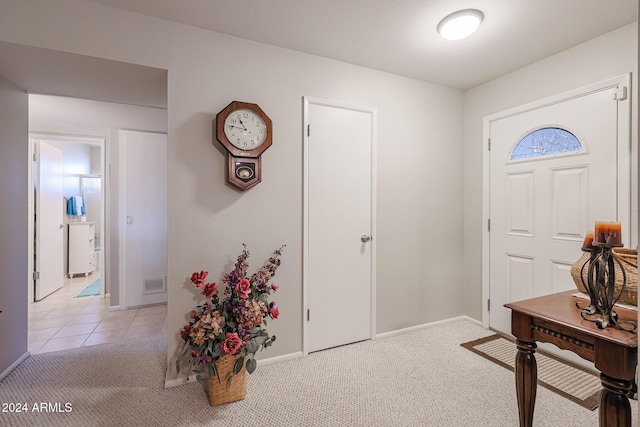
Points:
[(84, 306)]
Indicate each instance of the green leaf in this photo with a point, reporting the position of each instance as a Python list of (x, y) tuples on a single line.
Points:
[(238, 366), (185, 348), (215, 353), (178, 366), (253, 346), (229, 378), (199, 378), (214, 371), (251, 365)]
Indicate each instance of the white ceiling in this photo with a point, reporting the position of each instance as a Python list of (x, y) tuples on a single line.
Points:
[(399, 36)]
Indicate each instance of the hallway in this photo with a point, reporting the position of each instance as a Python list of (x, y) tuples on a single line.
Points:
[(61, 321)]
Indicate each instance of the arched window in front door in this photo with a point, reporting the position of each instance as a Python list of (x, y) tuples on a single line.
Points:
[(548, 141)]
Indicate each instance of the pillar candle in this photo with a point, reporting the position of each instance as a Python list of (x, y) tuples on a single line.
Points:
[(588, 241), (608, 233)]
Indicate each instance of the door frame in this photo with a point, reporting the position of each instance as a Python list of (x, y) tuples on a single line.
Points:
[(103, 142), (624, 145), (307, 102)]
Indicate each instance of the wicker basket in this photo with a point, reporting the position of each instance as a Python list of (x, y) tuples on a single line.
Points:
[(629, 259), (231, 387)]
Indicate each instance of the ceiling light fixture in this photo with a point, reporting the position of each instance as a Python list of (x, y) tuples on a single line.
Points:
[(460, 24)]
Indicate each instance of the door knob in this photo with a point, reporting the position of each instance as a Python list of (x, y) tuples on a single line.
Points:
[(61, 226), (365, 238)]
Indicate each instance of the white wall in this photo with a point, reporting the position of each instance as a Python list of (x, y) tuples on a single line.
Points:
[(607, 56), (420, 200), (14, 225)]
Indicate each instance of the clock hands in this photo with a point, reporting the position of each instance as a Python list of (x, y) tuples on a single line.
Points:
[(240, 120)]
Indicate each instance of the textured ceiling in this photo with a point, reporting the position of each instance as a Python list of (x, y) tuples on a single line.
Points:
[(399, 36)]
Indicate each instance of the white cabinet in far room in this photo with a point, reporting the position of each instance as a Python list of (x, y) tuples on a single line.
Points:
[(82, 253)]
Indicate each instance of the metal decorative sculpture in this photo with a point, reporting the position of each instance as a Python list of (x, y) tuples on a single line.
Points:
[(601, 286)]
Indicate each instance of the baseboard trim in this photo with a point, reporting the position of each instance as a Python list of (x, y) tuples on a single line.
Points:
[(174, 382), (276, 359), (14, 365), (168, 383), (426, 325), (114, 308)]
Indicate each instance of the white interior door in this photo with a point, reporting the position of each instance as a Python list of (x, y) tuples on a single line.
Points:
[(143, 250), (338, 262), (542, 207), (49, 224)]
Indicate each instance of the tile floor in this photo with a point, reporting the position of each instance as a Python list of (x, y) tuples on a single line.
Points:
[(61, 322)]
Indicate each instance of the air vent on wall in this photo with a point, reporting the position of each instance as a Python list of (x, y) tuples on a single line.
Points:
[(154, 285)]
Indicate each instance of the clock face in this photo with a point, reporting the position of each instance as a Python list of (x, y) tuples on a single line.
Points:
[(245, 129)]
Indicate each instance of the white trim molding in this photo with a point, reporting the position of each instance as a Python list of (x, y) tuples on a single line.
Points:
[(14, 365), (426, 326)]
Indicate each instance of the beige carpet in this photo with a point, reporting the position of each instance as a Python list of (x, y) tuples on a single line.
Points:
[(567, 379), (422, 378)]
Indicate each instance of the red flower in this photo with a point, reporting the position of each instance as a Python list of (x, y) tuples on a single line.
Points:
[(232, 343), (208, 289), (184, 333), (243, 287), (198, 278), (274, 287), (274, 312)]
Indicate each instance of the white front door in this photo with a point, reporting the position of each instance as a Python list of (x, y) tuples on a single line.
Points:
[(143, 250), (541, 206), (49, 224), (338, 221)]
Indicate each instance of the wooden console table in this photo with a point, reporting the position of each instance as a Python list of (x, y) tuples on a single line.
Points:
[(556, 319)]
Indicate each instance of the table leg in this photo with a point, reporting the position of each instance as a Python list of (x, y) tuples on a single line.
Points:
[(526, 381), (614, 404)]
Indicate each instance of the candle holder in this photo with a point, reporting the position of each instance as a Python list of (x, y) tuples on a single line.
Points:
[(601, 280), (592, 308)]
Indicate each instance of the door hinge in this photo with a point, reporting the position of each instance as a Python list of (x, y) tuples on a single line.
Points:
[(488, 224), (308, 130), (308, 315), (36, 157), (489, 144), (488, 305), (621, 93), (36, 275)]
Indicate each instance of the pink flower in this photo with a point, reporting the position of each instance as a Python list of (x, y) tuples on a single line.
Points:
[(243, 287), (198, 278), (274, 312), (232, 343), (274, 287)]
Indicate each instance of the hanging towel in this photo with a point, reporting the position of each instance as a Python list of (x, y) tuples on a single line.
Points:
[(80, 206), (71, 206), (75, 206)]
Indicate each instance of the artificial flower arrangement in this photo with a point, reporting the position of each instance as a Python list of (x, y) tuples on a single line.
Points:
[(234, 324)]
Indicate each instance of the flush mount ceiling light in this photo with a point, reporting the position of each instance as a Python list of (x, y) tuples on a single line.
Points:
[(460, 24)]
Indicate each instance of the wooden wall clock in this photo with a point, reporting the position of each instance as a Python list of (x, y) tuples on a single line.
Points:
[(244, 130)]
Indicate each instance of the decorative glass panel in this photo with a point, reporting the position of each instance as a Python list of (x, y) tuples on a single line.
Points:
[(546, 142)]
